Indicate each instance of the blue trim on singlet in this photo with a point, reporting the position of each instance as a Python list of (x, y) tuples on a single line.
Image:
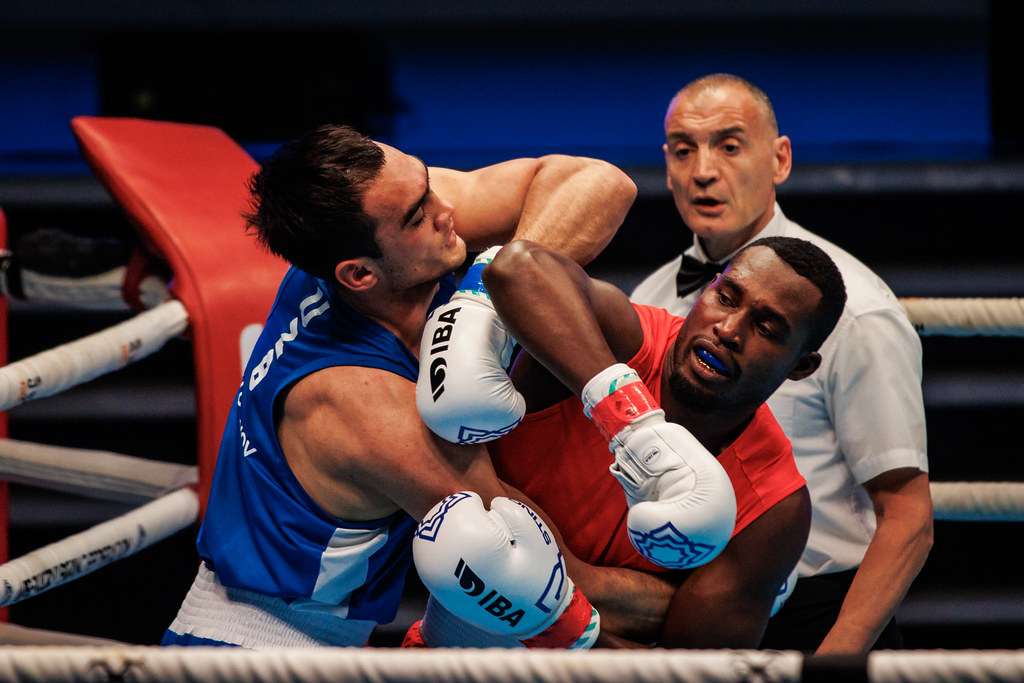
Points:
[(262, 532), (187, 639)]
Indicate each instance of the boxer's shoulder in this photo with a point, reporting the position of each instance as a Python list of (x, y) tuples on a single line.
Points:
[(354, 412), (337, 423)]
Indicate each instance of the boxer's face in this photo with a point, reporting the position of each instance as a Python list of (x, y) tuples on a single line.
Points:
[(415, 227), (745, 335), (723, 160)]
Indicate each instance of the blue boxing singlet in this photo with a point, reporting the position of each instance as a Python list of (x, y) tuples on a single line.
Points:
[(278, 570)]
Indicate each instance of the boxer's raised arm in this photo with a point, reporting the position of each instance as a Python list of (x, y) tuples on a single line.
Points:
[(573, 205), (575, 326)]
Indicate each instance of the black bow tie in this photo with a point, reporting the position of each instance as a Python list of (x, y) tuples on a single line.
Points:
[(694, 274)]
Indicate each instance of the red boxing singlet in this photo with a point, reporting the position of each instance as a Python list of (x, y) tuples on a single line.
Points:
[(558, 458)]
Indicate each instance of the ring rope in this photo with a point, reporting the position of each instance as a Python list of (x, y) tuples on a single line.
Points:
[(68, 365), (966, 317), (87, 551), (351, 665), (96, 474), (113, 476), (348, 665), (99, 292), (966, 666), (931, 316), (978, 501)]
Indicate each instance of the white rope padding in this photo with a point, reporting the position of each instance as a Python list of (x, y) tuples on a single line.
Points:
[(351, 665), (973, 501), (85, 552), (67, 365), (96, 474), (355, 665), (99, 292), (966, 317), (125, 478), (965, 666)]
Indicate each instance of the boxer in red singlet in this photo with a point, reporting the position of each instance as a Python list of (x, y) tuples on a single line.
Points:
[(757, 324)]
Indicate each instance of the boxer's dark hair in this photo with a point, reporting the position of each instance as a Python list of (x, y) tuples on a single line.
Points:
[(307, 200), (811, 262)]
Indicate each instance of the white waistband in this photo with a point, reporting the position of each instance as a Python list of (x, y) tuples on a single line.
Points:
[(252, 620)]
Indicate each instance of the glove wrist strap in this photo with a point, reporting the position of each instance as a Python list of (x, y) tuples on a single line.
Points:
[(577, 627), (622, 407), (472, 283)]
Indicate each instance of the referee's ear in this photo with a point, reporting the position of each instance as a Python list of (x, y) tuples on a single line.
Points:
[(806, 366)]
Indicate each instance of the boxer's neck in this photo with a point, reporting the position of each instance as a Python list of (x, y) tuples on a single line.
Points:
[(403, 313), (713, 432)]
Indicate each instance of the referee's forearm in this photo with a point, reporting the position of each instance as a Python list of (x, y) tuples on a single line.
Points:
[(893, 559)]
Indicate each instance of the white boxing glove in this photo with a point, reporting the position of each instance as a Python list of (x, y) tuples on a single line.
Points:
[(682, 507), (463, 392), (501, 571)]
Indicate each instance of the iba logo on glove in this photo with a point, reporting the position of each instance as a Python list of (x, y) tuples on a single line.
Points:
[(494, 602), (439, 344)]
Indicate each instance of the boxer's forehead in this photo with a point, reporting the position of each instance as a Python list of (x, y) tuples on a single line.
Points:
[(769, 282), (400, 185)]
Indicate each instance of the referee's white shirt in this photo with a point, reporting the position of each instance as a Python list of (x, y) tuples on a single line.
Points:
[(860, 414)]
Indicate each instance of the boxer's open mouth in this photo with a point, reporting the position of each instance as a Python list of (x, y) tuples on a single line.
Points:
[(712, 362)]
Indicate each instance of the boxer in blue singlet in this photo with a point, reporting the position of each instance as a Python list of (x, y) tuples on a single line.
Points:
[(327, 580)]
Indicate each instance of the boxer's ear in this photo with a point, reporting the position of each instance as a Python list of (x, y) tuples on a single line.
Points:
[(805, 366), (357, 274)]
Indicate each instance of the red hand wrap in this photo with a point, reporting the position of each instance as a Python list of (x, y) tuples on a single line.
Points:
[(621, 407), (568, 628), (414, 636)]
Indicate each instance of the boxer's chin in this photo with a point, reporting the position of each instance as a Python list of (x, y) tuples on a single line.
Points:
[(693, 396)]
